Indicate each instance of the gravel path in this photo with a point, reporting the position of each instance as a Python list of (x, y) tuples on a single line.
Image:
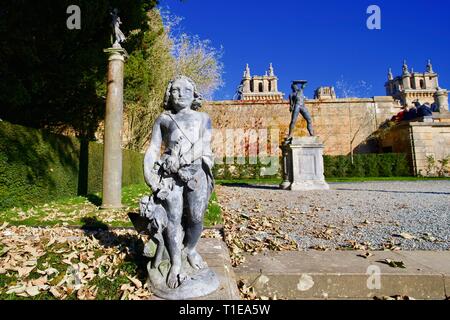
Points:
[(412, 215)]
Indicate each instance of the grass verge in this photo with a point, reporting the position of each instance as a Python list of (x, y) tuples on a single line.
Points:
[(85, 211)]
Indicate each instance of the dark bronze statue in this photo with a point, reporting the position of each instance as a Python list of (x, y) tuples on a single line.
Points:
[(118, 34), (297, 106)]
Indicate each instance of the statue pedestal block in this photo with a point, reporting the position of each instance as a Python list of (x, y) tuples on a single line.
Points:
[(303, 165)]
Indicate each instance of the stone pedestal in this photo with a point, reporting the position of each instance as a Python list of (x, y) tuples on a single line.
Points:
[(112, 152), (303, 165)]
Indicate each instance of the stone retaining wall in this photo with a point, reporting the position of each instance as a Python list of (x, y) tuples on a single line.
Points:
[(421, 140), (341, 124)]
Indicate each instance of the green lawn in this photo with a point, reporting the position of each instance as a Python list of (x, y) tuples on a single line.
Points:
[(84, 211)]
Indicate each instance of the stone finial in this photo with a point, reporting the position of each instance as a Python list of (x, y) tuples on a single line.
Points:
[(271, 73), (405, 68), (390, 75), (247, 71), (429, 66)]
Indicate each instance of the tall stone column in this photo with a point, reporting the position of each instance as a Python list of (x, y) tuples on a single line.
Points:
[(112, 153)]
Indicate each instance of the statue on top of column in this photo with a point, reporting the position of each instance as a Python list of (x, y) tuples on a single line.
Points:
[(118, 34)]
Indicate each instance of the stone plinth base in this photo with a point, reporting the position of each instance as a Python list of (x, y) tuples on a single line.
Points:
[(309, 185), (215, 253), (199, 283), (303, 165)]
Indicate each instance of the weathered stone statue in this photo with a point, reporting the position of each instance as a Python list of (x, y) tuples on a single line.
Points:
[(297, 106), (118, 34), (182, 182)]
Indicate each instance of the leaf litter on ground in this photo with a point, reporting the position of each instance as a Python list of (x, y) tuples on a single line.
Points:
[(68, 263)]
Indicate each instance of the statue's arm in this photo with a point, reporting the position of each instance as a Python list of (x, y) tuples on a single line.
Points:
[(152, 155), (202, 147)]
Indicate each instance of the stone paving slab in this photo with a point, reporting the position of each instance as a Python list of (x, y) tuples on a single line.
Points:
[(215, 253), (345, 275)]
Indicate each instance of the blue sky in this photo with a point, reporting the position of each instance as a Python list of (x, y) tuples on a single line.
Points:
[(321, 41)]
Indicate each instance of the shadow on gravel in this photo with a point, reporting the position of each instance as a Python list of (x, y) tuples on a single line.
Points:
[(251, 186), (393, 191)]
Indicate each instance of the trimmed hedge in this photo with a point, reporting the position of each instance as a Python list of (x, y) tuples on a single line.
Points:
[(364, 165), (367, 165), (249, 169), (37, 166)]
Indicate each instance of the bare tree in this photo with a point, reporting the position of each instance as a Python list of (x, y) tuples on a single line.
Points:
[(200, 61), (359, 90), (164, 54), (146, 76)]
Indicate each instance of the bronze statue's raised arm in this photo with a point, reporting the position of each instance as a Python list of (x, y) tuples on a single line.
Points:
[(152, 155)]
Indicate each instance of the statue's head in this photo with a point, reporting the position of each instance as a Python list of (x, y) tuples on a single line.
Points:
[(182, 93)]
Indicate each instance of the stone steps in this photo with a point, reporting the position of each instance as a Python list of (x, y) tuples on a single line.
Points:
[(345, 275)]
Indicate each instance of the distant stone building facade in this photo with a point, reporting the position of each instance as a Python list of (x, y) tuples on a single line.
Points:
[(344, 125), (259, 87), (411, 86)]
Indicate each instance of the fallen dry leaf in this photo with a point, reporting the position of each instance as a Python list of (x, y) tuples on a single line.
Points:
[(20, 288), (4, 251), (39, 281), (87, 293), (55, 292), (405, 235), (393, 264), (32, 291), (135, 281), (365, 255), (24, 272)]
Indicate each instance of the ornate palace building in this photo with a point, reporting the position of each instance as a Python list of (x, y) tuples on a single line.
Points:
[(259, 87), (411, 86)]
